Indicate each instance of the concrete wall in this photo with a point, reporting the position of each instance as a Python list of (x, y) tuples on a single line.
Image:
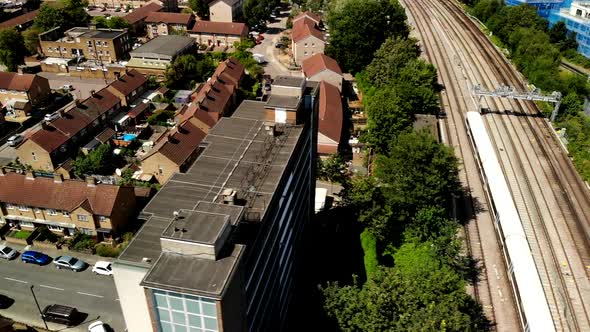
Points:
[(187, 248), (220, 11), (132, 297)]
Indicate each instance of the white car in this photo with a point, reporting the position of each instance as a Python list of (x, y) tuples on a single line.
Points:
[(97, 326), (15, 140), (51, 117), (7, 252), (103, 268)]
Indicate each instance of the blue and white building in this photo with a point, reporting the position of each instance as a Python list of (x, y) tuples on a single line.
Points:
[(544, 7)]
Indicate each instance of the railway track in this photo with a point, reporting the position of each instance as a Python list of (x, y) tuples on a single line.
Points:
[(526, 146)]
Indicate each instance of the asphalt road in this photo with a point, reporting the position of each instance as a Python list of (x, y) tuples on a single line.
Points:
[(91, 294)]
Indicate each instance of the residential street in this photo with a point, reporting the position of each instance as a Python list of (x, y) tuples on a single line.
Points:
[(94, 295), (267, 48)]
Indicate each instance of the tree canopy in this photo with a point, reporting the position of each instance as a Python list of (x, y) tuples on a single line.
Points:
[(189, 69), (12, 49), (114, 22), (97, 161), (258, 11), (66, 14), (200, 8), (359, 27)]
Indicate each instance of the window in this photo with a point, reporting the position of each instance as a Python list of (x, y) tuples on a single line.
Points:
[(26, 223), (82, 217), (23, 208), (65, 214), (9, 206), (305, 44), (99, 52), (305, 53), (312, 44), (63, 49), (184, 313), (33, 156), (107, 52), (37, 210), (51, 212), (102, 218), (55, 228), (105, 44), (89, 43)]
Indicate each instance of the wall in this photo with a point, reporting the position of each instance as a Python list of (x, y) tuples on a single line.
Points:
[(301, 52), (132, 298), (24, 154), (212, 39), (39, 90), (126, 204), (220, 11), (151, 165)]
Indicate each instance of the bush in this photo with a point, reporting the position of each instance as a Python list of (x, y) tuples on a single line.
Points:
[(104, 250), (84, 242), (369, 244), (160, 117), (45, 235)]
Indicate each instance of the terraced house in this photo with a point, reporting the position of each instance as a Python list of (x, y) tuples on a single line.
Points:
[(161, 23), (65, 206)]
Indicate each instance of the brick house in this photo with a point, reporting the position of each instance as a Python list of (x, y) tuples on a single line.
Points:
[(321, 67), (331, 119), (129, 87), (65, 206), (225, 10), (174, 152), (160, 23), (29, 88), (137, 17), (218, 34), (306, 38)]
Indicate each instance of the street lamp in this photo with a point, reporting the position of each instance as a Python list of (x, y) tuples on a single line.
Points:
[(38, 307)]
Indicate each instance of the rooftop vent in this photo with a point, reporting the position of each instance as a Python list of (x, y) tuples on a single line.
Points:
[(146, 260), (229, 196)]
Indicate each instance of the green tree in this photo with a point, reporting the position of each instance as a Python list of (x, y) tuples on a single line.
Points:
[(75, 11), (485, 9), (333, 169), (31, 39), (418, 294), (114, 22), (258, 11), (12, 49), (359, 27), (200, 8), (394, 54), (66, 14), (50, 17), (509, 19), (188, 69), (558, 32), (160, 117), (98, 161)]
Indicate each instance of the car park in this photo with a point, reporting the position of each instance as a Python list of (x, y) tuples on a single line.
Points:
[(15, 140), (103, 268), (69, 262), (61, 314), (97, 326), (7, 252), (35, 257)]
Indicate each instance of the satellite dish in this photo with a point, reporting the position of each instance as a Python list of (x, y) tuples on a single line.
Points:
[(118, 171)]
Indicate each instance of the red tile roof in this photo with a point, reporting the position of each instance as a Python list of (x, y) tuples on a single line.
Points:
[(221, 28), (304, 28), (142, 12), (179, 144), (137, 110), (129, 82), (318, 63), (169, 18), (330, 115), (308, 14), (19, 20), (41, 192), (16, 81)]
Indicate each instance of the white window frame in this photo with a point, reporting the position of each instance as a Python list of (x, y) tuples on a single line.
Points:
[(26, 223), (51, 212), (9, 206), (82, 217), (65, 213), (55, 228), (23, 208)]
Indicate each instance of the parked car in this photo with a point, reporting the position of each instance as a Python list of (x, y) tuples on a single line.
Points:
[(69, 262), (35, 257), (280, 45), (103, 268), (61, 314), (97, 326), (67, 87), (51, 117), (15, 140), (7, 252)]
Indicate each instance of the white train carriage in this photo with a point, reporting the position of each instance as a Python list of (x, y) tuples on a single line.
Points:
[(528, 290)]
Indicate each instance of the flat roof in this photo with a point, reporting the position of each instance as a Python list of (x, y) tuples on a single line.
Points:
[(289, 81), (283, 101), (163, 46), (239, 155), (97, 33)]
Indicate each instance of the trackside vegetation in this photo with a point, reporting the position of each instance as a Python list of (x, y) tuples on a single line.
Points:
[(537, 50), (415, 268)]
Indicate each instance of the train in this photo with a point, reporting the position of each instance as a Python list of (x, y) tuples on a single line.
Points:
[(532, 304)]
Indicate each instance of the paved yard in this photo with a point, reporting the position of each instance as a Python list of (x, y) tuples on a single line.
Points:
[(82, 86)]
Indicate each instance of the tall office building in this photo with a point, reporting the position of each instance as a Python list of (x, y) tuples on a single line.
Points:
[(221, 242)]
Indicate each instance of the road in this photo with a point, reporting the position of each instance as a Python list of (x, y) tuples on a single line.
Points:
[(267, 48), (82, 86), (91, 294)]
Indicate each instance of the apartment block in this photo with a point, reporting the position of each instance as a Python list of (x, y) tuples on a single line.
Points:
[(104, 45), (221, 242), (64, 206), (225, 10)]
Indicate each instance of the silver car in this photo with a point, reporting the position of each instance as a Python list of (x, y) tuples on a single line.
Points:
[(69, 262), (7, 252)]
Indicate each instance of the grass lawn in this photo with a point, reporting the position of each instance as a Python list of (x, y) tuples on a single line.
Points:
[(23, 235)]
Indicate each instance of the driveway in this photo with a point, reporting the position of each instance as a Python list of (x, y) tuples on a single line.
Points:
[(94, 295), (82, 86), (267, 47)]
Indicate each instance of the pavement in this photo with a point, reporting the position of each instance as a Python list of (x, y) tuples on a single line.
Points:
[(82, 86), (267, 48), (93, 295)]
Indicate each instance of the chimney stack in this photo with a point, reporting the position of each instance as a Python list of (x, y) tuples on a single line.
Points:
[(58, 178), (90, 181)]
